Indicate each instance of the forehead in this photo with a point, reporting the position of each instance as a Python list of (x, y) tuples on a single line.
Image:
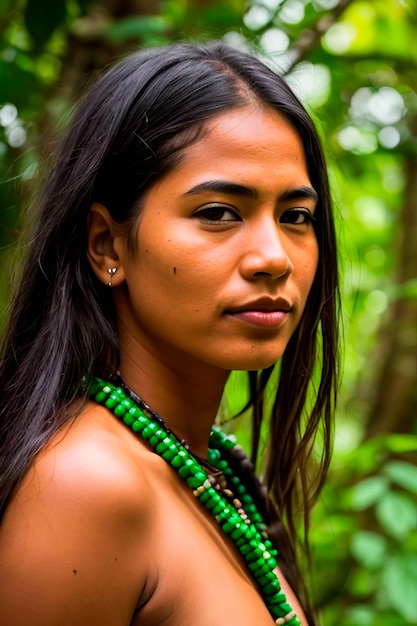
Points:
[(253, 139), (253, 125)]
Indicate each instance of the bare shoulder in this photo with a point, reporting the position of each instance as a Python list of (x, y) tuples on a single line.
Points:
[(94, 462), (77, 534)]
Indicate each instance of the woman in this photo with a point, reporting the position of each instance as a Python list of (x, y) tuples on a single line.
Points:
[(185, 231)]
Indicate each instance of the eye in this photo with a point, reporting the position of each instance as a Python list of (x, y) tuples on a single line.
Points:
[(298, 217), (217, 214)]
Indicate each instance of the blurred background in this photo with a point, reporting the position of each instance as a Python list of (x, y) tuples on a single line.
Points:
[(354, 65)]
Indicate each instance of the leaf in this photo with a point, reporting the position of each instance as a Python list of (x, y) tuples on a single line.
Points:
[(401, 443), (402, 473), (136, 27), (42, 17), (360, 616), (364, 458), (397, 514), (369, 548), (368, 492), (399, 584), (405, 290)]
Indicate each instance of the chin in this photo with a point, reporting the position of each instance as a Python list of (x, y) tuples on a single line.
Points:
[(253, 362), (251, 367)]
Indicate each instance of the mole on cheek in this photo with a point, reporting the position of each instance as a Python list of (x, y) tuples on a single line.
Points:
[(174, 270)]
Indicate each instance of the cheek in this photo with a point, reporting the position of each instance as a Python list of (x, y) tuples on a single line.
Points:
[(308, 259), (185, 263), (306, 275), (171, 275), (310, 269)]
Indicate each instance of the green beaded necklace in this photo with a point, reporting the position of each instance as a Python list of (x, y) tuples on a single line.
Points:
[(240, 520)]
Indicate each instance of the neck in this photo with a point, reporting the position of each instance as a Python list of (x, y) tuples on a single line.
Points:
[(186, 396)]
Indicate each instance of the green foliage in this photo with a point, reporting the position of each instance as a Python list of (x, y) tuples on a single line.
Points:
[(368, 518), (149, 26)]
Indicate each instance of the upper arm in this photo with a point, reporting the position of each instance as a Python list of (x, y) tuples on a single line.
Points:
[(73, 542)]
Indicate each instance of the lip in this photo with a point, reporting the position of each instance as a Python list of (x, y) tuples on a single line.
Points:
[(264, 312)]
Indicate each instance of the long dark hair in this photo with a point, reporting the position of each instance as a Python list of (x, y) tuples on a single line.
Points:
[(129, 131)]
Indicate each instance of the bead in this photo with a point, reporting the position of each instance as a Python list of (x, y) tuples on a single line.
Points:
[(186, 469), (195, 483), (273, 589), (269, 577), (160, 433), (256, 564), (149, 430), (128, 419), (201, 489), (154, 440), (217, 509), (239, 531), (134, 411), (139, 425), (280, 609), (169, 454), (222, 516), (214, 499), (205, 496), (111, 402), (254, 555), (163, 445), (119, 410), (230, 525), (239, 519), (246, 549), (177, 461), (99, 397), (213, 455)]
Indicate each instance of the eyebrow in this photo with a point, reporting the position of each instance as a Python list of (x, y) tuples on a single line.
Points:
[(223, 186), (234, 189)]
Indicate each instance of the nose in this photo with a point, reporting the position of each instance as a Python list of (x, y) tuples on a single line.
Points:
[(265, 253)]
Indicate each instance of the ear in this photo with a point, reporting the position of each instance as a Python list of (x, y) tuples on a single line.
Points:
[(101, 253)]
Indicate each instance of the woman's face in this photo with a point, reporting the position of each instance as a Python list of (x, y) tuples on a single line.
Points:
[(226, 250)]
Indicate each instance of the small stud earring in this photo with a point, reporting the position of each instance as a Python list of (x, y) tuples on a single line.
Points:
[(111, 272)]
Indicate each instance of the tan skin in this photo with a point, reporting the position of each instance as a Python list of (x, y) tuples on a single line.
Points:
[(102, 531)]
